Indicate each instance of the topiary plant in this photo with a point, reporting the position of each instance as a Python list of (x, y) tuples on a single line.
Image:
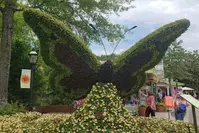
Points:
[(103, 111), (75, 66)]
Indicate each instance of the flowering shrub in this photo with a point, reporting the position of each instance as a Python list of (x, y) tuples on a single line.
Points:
[(36, 123), (103, 111), (30, 122)]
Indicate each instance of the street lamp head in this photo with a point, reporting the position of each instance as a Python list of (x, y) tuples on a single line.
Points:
[(33, 56), (133, 28), (93, 27)]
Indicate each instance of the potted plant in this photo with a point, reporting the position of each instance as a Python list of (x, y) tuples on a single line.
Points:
[(160, 107), (142, 109)]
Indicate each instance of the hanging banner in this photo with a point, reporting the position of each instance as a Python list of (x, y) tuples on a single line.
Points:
[(25, 79)]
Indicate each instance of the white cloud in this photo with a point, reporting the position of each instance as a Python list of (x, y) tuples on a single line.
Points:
[(161, 12)]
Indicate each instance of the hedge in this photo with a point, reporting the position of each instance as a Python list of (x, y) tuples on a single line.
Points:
[(75, 66)]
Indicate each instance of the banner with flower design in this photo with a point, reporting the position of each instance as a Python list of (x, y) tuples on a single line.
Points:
[(25, 79)]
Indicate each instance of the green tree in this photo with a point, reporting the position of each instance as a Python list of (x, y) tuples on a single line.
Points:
[(175, 62), (192, 63), (108, 57), (7, 9), (20, 60), (182, 65)]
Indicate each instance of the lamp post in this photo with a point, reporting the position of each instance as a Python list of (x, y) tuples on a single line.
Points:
[(122, 37), (93, 27), (33, 59)]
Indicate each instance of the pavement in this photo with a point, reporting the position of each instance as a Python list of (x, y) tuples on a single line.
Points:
[(188, 116)]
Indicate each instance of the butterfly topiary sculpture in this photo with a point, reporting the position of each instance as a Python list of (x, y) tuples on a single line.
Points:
[(75, 67)]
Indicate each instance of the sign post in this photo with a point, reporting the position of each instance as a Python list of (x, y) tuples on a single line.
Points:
[(194, 103)]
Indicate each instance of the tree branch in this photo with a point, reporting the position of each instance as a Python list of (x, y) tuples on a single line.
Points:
[(19, 10), (71, 3)]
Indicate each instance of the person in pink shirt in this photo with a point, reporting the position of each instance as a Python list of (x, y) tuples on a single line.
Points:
[(151, 107)]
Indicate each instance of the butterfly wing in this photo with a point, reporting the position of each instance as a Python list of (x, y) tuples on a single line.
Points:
[(74, 65), (129, 68)]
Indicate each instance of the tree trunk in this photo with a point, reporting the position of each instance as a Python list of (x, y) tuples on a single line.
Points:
[(5, 49)]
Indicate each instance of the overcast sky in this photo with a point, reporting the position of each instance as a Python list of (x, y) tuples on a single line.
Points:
[(152, 14)]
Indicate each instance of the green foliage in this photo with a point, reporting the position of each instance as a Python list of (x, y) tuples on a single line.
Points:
[(22, 32), (61, 97), (105, 58), (182, 65), (161, 104), (11, 109), (192, 64), (78, 14), (20, 60), (142, 106), (175, 63)]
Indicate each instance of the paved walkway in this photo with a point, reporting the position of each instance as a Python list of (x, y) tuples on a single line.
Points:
[(188, 117)]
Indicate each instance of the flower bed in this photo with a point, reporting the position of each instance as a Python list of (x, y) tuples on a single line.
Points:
[(36, 122)]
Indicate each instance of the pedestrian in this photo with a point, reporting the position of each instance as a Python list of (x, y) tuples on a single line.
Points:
[(159, 95), (134, 100), (163, 95), (180, 108), (151, 107)]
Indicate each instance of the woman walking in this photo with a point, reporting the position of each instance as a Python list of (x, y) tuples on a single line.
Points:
[(151, 107), (180, 108)]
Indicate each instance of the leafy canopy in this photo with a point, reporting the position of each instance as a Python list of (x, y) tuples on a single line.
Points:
[(78, 14)]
